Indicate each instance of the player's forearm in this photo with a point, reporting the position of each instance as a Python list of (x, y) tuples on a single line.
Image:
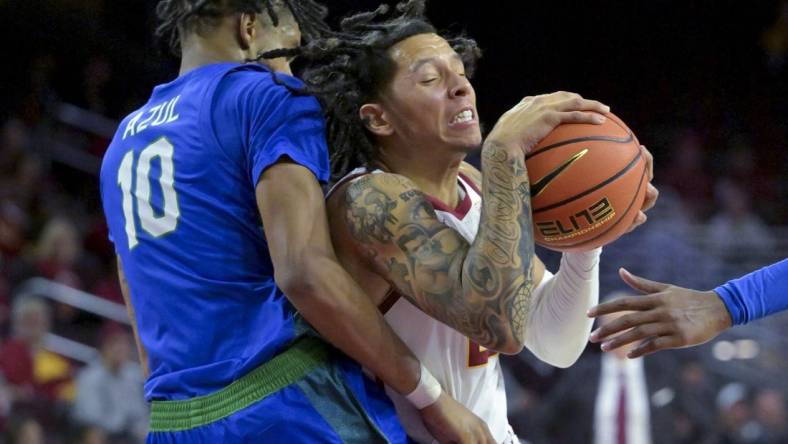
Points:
[(756, 295), (333, 303), (498, 266), (558, 327)]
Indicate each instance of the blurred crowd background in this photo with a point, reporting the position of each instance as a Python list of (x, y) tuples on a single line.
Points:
[(703, 84)]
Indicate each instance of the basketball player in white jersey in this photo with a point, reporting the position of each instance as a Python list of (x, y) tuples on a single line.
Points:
[(457, 280)]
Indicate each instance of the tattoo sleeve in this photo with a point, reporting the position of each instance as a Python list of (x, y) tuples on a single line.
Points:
[(481, 289)]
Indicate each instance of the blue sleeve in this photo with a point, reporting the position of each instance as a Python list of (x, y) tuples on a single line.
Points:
[(103, 192), (757, 294), (272, 121), (294, 129)]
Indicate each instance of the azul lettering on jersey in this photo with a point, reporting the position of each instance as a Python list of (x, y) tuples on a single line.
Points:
[(160, 114)]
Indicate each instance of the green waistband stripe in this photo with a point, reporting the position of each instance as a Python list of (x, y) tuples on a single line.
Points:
[(284, 369)]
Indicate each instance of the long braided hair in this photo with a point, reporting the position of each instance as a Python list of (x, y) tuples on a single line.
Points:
[(352, 67), (177, 16)]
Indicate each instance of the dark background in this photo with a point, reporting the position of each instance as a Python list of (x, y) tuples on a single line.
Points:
[(716, 68)]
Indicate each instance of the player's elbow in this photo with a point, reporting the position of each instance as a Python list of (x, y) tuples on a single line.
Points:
[(500, 336), (294, 288), (512, 347), (298, 278), (563, 360), (561, 355), (507, 342)]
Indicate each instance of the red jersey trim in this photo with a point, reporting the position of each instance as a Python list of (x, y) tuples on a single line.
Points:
[(391, 298), (462, 208), (471, 183)]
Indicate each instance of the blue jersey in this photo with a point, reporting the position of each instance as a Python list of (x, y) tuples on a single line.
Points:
[(758, 294), (178, 189)]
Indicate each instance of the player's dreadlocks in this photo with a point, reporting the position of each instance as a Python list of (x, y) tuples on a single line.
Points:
[(177, 16), (353, 67)]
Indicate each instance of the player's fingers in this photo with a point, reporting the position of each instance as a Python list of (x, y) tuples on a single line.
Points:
[(576, 103), (639, 220), (477, 432), (652, 193), (481, 438), (638, 333), (649, 162), (554, 98), (580, 117), (653, 345), (626, 322), (630, 303), (641, 284), (480, 433)]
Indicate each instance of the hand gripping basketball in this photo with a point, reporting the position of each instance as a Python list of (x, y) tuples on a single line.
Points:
[(528, 122), (588, 185)]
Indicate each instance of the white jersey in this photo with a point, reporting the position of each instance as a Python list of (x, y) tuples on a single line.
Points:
[(467, 372)]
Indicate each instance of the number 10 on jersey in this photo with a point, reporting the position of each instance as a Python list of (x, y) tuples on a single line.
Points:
[(155, 225)]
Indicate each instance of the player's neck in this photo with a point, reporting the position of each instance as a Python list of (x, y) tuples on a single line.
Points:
[(196, 57), (436, 177), (201, 52)]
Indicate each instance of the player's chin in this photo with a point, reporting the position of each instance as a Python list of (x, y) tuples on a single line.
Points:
[(466, 143)]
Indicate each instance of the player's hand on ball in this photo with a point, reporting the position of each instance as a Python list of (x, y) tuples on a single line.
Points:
[(667, 317), (532, 119), (450, 422), (651, 191)]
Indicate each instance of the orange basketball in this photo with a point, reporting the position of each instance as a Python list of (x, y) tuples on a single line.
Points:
[(588, 183)]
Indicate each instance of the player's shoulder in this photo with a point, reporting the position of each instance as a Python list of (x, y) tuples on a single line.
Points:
[(246, 77), (255, 89), (383, 183), (373, 206), (383, 187)]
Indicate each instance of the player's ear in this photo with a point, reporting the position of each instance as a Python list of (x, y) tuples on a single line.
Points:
[(375, 119), (246, 29)]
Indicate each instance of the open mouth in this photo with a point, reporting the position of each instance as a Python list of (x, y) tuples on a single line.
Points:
[(463, 116)]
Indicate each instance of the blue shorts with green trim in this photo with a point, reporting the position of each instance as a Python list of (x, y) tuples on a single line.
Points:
[(333, 403)]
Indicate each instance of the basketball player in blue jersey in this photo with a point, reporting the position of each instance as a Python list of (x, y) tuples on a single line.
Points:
[(212, 195), (675, 317)]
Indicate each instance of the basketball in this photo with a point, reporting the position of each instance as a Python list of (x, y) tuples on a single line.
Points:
[(588, 183)]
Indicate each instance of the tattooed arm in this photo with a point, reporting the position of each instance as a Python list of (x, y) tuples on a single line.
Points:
[(558, 328), (478, 289), (483, 289)]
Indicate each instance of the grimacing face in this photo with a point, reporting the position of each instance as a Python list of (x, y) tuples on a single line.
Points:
[(430, 102)]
